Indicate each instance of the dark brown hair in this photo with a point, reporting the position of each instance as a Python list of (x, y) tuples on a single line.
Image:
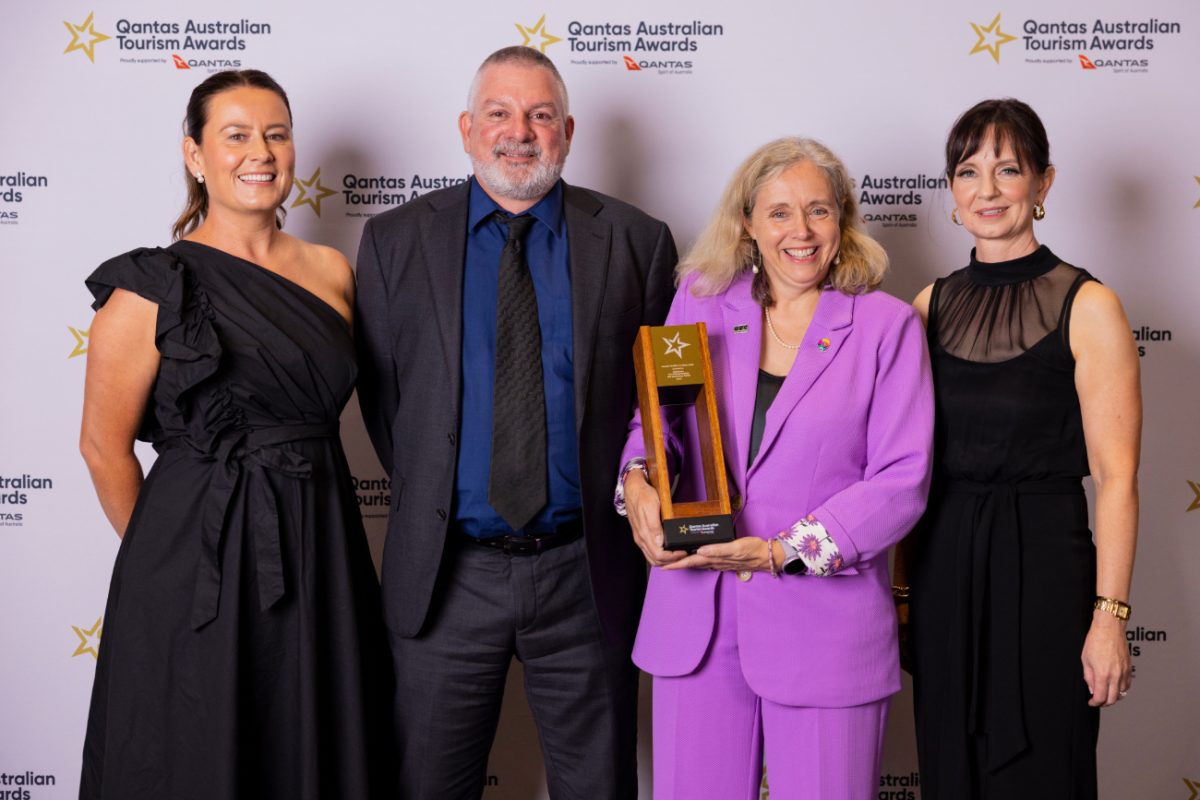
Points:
[(193, 125), (1007, 121)]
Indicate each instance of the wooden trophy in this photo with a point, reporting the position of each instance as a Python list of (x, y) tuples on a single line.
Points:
[(673, 368)]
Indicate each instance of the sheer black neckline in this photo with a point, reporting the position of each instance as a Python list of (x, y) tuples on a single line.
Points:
[(1018, 270)]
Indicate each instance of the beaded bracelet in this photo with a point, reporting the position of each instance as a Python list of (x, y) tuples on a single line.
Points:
[(771, 558)]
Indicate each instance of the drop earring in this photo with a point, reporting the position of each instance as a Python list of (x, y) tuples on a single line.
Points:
[(954, 216), (1039, 211)]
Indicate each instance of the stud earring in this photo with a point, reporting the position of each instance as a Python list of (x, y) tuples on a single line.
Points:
[(199, 177), (954, 216), (1039, 211)]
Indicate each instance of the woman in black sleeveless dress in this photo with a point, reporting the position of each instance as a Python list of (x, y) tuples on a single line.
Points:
[(243, 652), (1016, 629)]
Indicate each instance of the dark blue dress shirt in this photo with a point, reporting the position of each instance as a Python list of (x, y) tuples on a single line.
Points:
[(548, 257)]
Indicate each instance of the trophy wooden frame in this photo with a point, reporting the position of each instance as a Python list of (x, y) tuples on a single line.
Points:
[(667, 376)]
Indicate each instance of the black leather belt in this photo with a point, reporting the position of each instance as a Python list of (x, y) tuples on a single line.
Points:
[(528, 544)]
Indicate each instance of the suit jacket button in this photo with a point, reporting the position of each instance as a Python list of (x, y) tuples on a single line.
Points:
[(745, 575), (441, 514)]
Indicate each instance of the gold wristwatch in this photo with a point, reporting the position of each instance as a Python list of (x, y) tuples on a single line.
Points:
[(1111, 605)]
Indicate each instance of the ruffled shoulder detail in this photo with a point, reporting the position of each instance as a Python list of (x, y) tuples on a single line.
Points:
[(151, 272), (188, 398)]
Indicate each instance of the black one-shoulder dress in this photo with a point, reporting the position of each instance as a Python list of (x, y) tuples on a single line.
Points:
[(243, 652)]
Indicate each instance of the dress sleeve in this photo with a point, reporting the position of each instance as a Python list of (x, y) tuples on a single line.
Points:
[(185, 335), (152, 273)]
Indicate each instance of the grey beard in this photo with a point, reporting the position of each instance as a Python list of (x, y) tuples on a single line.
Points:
[(537, 181)]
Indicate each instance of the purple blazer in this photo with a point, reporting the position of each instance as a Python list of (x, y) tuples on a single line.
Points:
[(848, 440)]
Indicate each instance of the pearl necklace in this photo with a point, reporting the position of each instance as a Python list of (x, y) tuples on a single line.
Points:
[(775, 335)]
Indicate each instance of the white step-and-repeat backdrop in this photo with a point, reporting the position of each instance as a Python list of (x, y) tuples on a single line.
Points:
[(668, 98)]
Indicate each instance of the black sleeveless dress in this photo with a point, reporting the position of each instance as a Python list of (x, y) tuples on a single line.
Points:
[(243, 652), (1003, 572)]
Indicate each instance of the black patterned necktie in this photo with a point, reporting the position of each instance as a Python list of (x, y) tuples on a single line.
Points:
[(517, 483)]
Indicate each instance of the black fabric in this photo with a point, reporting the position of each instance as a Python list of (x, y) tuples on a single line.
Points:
[(1004, 566), (450, 680), (517, 481), (768, 389), (243, 653), (998, 311)]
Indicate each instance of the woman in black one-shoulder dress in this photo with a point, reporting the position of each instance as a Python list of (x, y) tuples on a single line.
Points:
[(243, 651), (1017, 618)]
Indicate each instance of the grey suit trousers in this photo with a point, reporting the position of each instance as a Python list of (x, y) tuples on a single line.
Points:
[(581, 690)]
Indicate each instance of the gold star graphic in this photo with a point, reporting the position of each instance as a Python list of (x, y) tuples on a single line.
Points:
[(539, 29), (675, 344), (993, 36), (1196, 502), (81, 336), (89, 639), (683, 528), (77, 32), (312, 192)]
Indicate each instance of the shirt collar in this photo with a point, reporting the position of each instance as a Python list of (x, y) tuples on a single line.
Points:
[(548, 210)]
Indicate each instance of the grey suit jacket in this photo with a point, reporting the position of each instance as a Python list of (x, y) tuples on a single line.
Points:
[(409, 333)]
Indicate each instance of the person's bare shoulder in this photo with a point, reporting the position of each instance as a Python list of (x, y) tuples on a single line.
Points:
[(328, 269), (921, 303)]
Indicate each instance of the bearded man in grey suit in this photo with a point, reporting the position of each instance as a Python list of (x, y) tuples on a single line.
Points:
[(495, 326)]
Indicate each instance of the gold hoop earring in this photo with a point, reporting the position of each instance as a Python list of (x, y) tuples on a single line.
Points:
[(954, 216), (1039, 211)]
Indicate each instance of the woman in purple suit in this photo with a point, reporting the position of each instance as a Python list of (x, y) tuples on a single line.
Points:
[(786, 637)]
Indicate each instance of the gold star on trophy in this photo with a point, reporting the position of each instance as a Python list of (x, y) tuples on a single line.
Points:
[(538, 30), (89, 639), (312, 192), (990, 39), (675, 345), (81, 336), (77, 32)]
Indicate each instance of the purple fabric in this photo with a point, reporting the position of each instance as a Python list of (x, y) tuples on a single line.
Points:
[(848, 439), (710, 727)]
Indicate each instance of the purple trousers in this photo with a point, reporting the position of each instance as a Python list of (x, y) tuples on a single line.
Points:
[(710, 729)]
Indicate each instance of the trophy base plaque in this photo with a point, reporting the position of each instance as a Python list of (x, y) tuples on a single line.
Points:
[(689, 533)]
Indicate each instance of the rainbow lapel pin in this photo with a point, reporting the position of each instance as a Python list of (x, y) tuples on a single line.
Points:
[(823, 344)]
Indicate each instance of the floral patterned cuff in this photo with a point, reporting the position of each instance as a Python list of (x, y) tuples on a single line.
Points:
[(619, 496), (810, 549)]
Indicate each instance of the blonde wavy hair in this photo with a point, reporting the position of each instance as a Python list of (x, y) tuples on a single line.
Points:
[(724, 250)]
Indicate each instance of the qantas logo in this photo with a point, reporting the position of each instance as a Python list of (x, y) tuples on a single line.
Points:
[(181, 64), (630, 64), (1085, 62)]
